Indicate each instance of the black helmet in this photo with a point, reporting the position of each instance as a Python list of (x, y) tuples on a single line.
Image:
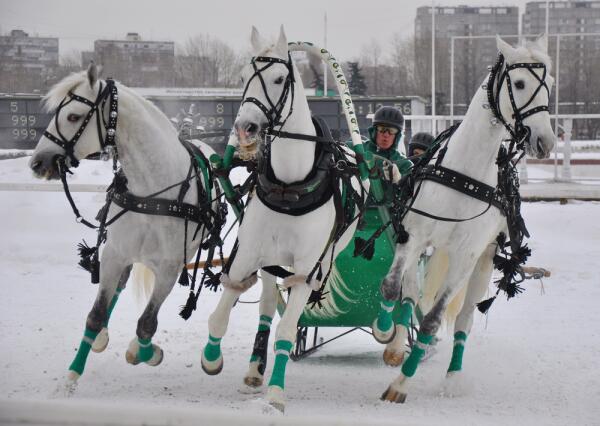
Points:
[(390, 116), (421, 140)]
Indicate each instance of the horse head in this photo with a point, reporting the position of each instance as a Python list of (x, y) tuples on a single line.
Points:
[(523, 96), (268, 91), (76, 130)]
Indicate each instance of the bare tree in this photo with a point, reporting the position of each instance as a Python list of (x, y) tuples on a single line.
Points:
[(207, 61)]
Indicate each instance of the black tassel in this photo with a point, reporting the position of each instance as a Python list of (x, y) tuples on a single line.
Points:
[(316, 297), (485, 305), (213, 281), (402, 236), (189, 307), (86, 253), (364, 248), (184, 278)]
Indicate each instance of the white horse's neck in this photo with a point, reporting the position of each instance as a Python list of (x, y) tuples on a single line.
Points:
[(474, 146), (149, 151), (292, 160)]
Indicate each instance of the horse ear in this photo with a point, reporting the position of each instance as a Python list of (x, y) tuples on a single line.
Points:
[(506, 49), (282, 46), (256, 40), (92, 74), (542, 42)]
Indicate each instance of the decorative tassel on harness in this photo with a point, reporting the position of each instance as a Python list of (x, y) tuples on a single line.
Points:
[(89, 260)]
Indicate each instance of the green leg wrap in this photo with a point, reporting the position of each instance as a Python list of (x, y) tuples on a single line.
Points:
[(78, 363), (406, 311), (264, 324), (146, 350), (384, 319), (113, 302), (212, 350), (460, 337), (282, 354), (418, 350)]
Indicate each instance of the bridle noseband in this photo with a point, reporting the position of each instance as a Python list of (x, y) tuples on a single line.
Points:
[(109, 92), (519, 132), (273, 111)]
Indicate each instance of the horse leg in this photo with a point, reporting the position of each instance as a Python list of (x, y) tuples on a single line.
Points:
[(393, 355), (401, 279), (477, 287), (268, 304), (240, 278), (111, 268), (458, 268), (101, 341), (284, 340), (141, 348)]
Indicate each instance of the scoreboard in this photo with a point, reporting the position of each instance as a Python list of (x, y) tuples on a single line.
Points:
[(23, 121)]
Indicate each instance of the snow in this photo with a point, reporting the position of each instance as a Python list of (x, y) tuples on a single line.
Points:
[(533, 360)]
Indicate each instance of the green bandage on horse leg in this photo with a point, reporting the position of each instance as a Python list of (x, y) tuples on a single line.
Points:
[(418, 350), (384, 319), (460, 337), (78, 364), (113, 302), (406, 311), (264, 324), (212, 350), (282, 354), (146, 350)]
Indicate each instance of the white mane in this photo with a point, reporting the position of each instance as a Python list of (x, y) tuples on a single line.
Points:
[(61, 89)]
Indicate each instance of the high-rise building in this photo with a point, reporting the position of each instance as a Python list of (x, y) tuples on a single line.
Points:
[(136, 62), (471, 56), (26, 63), (578, 56)]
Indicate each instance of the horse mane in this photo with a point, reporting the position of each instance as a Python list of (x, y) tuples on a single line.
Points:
[(61, 89)]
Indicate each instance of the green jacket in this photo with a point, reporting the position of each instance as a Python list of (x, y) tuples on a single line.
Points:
[(392, 154)]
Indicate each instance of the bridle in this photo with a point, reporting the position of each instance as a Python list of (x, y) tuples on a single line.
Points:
[(107, 93), (274, 110), (500, 72)]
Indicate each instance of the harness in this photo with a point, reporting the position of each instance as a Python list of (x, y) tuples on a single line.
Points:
[(202, 214), (299, 198)]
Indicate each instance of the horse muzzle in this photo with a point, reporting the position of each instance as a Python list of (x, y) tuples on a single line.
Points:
[(45, 166)]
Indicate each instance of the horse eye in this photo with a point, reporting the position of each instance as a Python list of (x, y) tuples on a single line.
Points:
[(73, 118), (519, 84), (279, 80)]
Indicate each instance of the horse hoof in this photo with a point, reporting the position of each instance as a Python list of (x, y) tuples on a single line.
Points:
[(253, 382), (279, 406), (212, 368), (276, 398), (101, 341), (392, 395), (157, 356), (383, 337), (68, 387), (131, 357), (393, 358)]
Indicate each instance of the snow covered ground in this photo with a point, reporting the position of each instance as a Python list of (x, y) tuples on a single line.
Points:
[(533, 360)]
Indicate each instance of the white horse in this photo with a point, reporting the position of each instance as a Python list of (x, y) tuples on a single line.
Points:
[(274, 94), (152, 158), (519, 91)]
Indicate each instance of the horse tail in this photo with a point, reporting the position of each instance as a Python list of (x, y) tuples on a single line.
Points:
[(435, 273), (142, 279)]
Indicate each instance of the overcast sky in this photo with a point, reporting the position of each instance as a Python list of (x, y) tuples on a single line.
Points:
[(351, 23)]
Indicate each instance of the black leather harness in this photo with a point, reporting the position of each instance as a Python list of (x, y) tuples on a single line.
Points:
[(299, 198)]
